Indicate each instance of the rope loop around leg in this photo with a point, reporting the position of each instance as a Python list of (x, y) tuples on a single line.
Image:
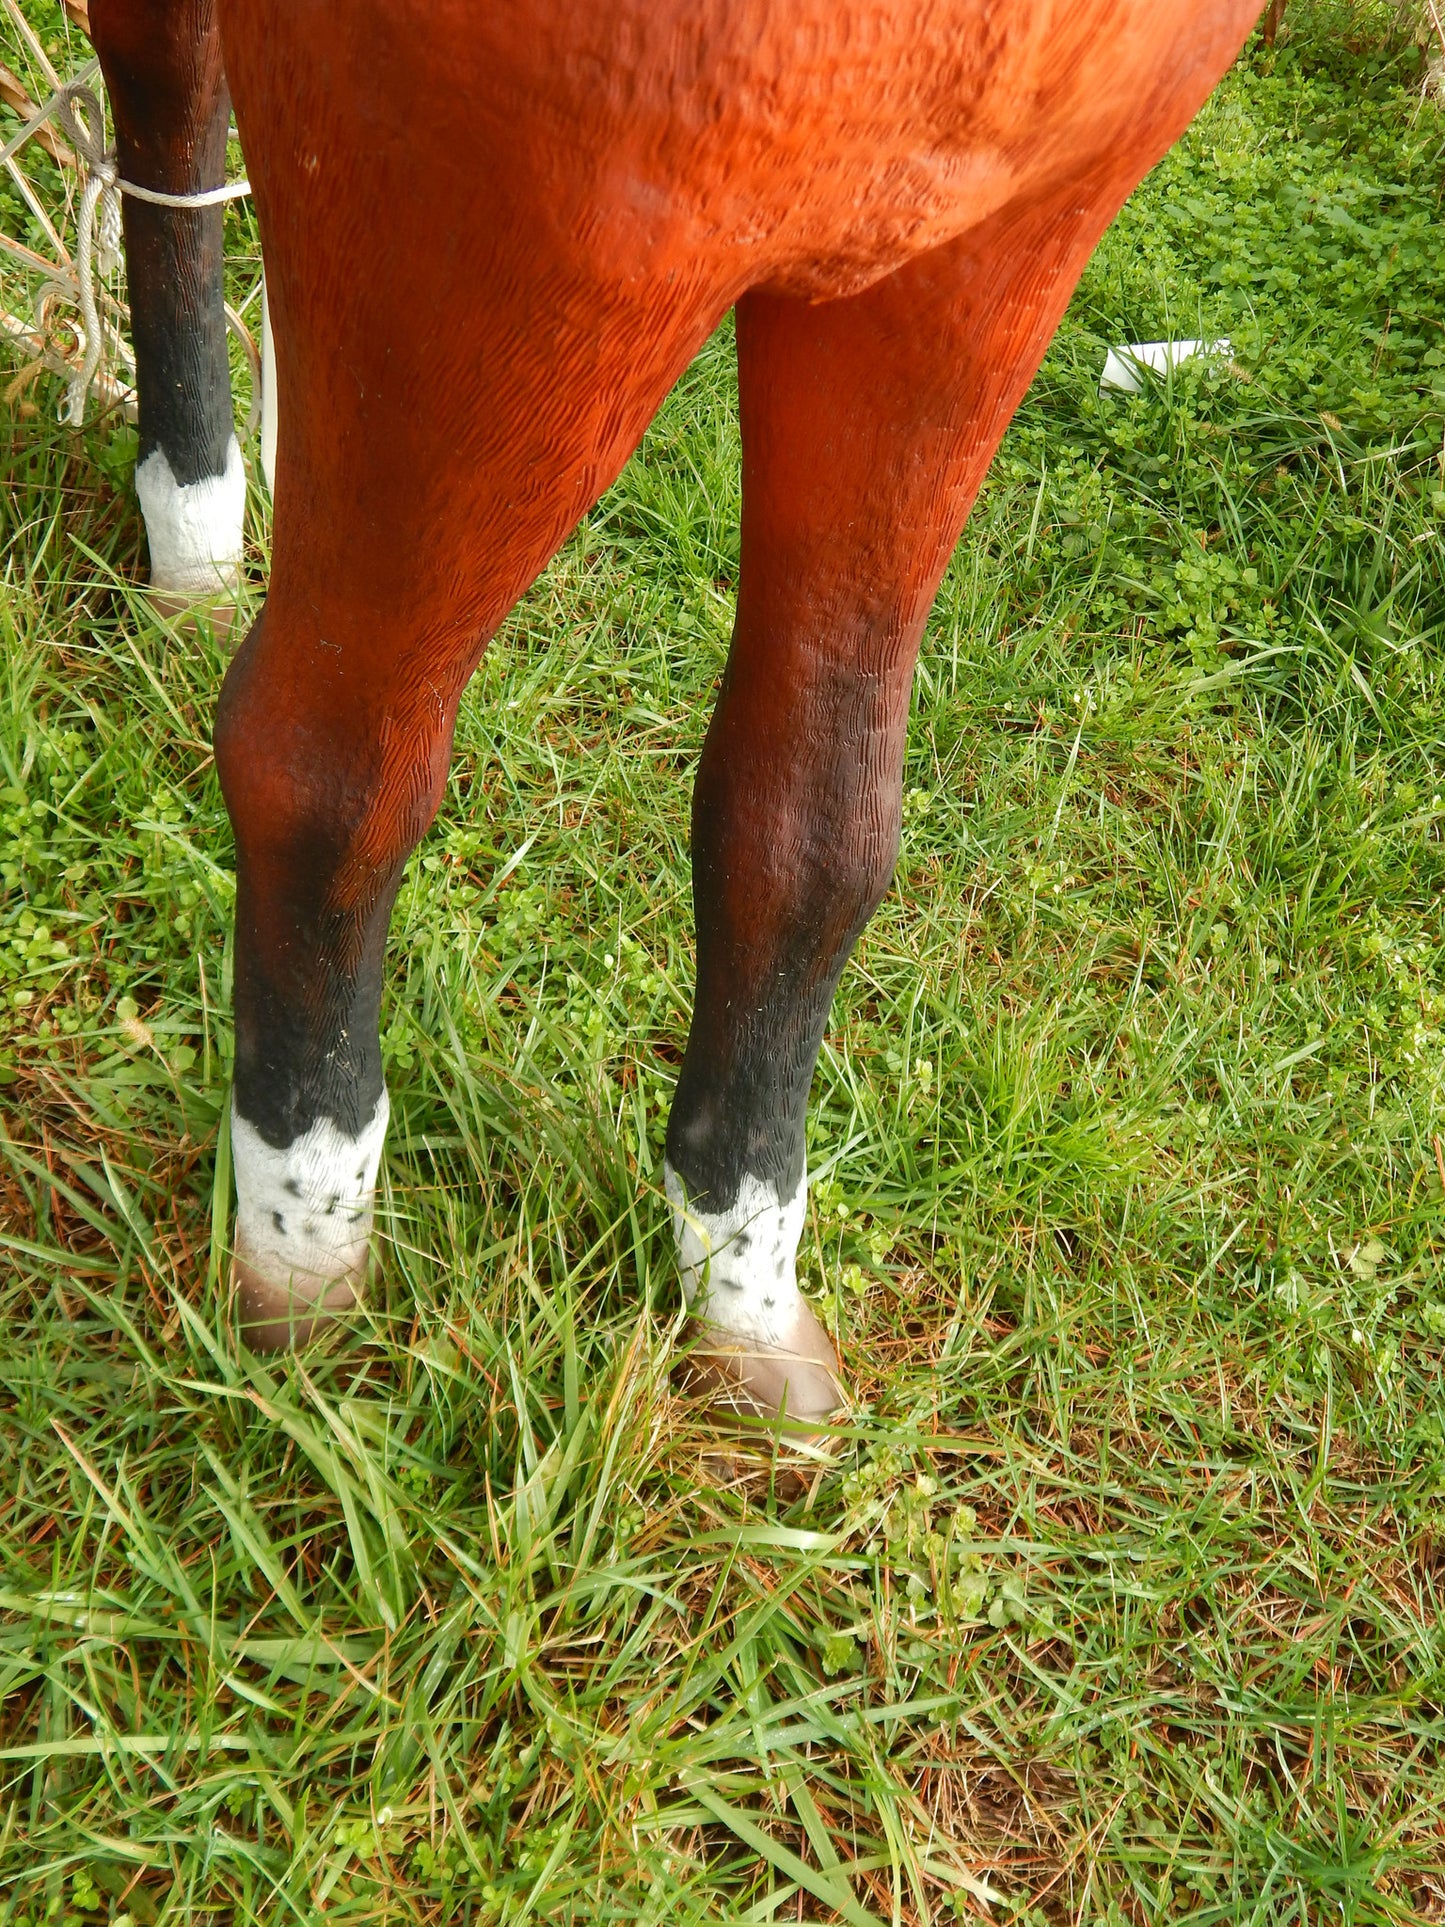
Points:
[(97, 228)]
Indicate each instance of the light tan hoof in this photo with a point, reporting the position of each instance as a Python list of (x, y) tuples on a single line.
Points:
[(220, 609), (797, 1383), (276, 1317)]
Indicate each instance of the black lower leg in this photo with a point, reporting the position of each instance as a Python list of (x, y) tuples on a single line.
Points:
[(329, 784), (324, 824), (162, 66), (795, 834)]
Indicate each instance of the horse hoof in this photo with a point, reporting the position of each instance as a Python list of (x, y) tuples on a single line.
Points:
[(797, 1384), (278, 1317), (219, 609)]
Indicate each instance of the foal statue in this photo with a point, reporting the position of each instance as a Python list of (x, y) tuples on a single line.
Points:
[(494, 237)]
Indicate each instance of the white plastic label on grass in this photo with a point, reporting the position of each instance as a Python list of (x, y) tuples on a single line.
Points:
[(1122, 365)]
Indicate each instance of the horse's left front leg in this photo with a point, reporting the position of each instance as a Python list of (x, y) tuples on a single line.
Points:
[(867, 426)]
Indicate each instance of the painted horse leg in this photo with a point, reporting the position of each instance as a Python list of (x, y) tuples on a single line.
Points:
[(415, 501), (327, 797), (867, 426), (333, 737), (162, 65)]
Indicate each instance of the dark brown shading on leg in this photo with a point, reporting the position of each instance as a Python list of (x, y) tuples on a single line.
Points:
[(867, 426)]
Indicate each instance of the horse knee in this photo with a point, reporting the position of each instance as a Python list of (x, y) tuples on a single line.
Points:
[(859, 873), (323, 766)]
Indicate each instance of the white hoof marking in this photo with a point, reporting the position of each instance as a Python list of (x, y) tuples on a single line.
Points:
[(304, 1213), (738, 1265), (194, 528)]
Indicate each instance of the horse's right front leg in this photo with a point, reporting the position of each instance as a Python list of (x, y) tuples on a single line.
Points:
[(443, 427), (330, 781)]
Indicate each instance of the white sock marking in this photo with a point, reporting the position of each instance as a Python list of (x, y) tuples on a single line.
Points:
[(194, 528), (738, 1265), (304, 1213)]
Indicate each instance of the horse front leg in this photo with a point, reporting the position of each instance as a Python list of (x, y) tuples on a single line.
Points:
[(445, 418), (867, 426), (162, 65), (332, 768)]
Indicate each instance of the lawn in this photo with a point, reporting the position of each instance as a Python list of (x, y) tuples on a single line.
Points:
[(1122, 1602)]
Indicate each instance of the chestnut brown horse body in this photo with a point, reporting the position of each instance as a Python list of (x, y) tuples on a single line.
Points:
[(494, 236)]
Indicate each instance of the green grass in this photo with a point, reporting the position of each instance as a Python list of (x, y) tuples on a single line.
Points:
[(1122, 1605)]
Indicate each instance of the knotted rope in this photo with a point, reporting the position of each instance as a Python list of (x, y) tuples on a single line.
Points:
[(97, 226)]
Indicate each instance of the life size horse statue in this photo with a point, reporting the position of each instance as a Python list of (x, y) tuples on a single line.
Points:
[(494, 237)]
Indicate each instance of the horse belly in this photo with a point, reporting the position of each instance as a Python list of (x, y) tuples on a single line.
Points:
[(814, 147)]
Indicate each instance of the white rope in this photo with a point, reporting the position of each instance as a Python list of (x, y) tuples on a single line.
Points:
[(205, 197), (38, 119), (97, 225)]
